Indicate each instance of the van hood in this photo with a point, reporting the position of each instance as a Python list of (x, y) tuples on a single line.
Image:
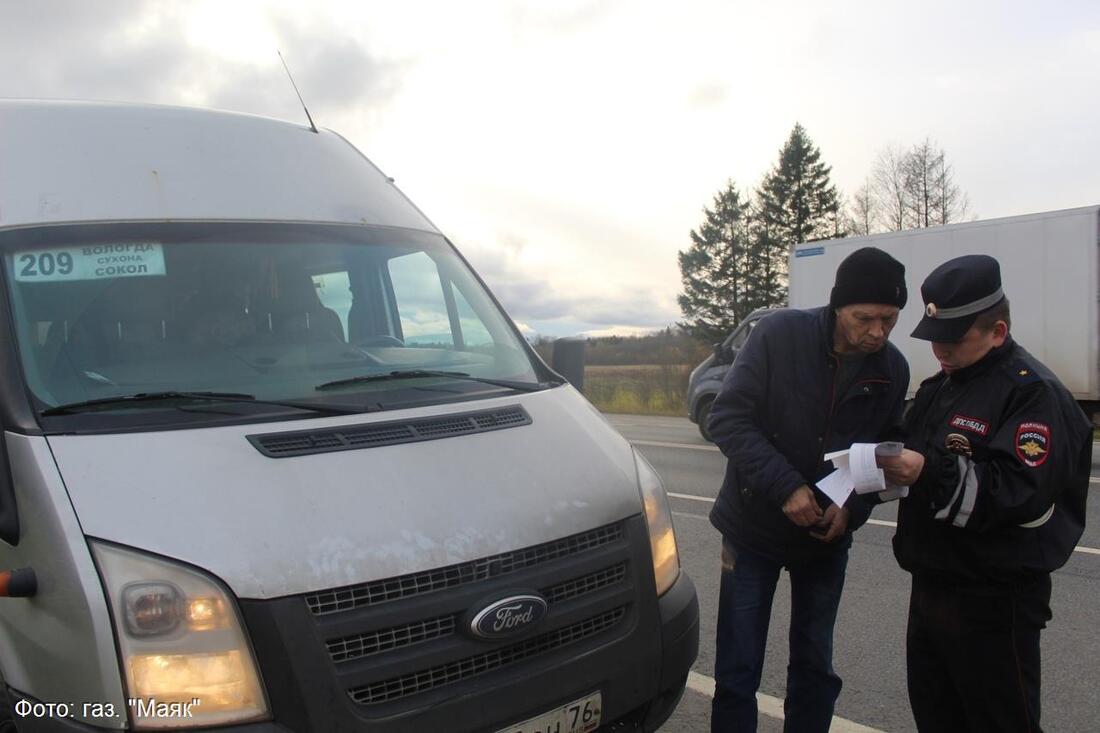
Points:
[(272, 527)]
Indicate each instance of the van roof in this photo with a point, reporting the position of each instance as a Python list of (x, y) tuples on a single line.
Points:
[(68, 162)]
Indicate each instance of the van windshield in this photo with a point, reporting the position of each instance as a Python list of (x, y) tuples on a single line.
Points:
[(270, 311)]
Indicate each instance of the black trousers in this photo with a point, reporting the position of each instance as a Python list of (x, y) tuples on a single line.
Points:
[(972, 656)]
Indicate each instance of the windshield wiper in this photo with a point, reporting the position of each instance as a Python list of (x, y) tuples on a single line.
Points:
[(141, 397), (418, 373)]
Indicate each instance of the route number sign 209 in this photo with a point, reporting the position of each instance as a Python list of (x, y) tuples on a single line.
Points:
[(93, 262)]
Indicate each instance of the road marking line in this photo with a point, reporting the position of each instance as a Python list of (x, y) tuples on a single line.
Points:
[(773, 706), (879, 522), (689, 514), (657, 444), (1094, 480), (707, 499)]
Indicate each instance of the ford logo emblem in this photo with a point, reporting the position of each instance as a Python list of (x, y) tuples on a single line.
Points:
[(508, 616)]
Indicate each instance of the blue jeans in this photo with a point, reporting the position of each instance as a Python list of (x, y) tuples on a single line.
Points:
[(744, 612)]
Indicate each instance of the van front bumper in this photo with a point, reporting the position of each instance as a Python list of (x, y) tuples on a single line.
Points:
[(615, 639), (678, 610)]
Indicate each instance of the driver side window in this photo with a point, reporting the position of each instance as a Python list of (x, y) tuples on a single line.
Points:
[(741, 336)]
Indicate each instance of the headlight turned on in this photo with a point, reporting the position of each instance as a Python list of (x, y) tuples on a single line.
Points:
[(662, 536), (181, 640)]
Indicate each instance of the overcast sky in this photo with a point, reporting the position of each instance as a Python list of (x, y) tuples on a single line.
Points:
[(568, 147)]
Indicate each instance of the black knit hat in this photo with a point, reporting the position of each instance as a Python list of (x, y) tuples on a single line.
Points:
[(869, 275)]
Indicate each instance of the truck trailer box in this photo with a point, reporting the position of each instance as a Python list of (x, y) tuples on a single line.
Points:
[(274, 458), (1048, 269)]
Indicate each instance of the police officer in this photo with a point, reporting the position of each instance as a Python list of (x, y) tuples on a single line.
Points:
[(998, 456)]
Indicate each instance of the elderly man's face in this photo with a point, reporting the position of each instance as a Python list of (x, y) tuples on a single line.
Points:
[(863, 327)]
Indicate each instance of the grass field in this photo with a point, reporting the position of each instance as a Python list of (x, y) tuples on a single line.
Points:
[(642, 389)]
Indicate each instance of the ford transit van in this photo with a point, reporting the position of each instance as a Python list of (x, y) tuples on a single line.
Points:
[(274, 459)]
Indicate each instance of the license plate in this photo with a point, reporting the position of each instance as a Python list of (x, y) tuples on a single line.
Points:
[(579, 716)]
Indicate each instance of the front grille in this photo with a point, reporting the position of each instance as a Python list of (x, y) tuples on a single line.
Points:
[(414, 584), (412, 684), (373, 435), (588, 584), (399, 654), (361, 645)]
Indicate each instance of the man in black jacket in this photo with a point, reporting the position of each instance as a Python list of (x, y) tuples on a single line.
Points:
[(998, 455), (806, 383)]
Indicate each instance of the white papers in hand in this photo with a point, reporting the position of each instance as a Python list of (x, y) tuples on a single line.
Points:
[(837, 485), (866, 475), (857, 470)]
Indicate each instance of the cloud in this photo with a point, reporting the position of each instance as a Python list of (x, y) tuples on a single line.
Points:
[(561, 17), (530, 295), (708, 95), (177, 53), (620, 331)]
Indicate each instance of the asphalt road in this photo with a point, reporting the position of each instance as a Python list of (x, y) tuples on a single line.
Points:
[(870, 654)]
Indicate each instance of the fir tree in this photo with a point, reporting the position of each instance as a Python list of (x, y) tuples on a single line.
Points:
[(766, 268), (797, 200), (713, 269)]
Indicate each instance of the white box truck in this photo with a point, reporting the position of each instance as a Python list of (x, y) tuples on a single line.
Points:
[(1048, 267), (274, 459)]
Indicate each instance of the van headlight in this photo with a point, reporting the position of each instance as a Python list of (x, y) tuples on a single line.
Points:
[(181, 641), (662, 536)]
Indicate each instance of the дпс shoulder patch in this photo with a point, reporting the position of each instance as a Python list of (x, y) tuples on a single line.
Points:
[(973, 424), (1033, 443)]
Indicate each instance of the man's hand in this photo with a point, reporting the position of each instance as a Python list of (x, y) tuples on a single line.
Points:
[(833, 524), (801, 507), (902, 470)]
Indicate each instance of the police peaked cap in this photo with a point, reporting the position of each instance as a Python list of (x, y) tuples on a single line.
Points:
[(955, 294)]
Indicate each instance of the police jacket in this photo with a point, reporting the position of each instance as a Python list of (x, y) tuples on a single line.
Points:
[(776, 416), (1001, 497)]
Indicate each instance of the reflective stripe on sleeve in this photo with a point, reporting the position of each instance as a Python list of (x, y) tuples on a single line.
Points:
[(970, 494), (1041, 520), (945, 513)]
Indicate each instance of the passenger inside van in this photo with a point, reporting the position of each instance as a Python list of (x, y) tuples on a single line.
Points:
[(286, 305)]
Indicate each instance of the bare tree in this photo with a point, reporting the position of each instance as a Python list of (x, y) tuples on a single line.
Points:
[(920, 166), (950, 203), (916, 188), (862, 210), (888, 186)]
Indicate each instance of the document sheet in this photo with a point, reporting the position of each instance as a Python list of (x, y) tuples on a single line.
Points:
[(856, 470)]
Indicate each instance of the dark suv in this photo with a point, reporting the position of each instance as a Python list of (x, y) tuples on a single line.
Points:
[(706, 379)]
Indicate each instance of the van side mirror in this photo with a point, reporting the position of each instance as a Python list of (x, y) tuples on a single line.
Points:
[(9, 514), (568, 360)]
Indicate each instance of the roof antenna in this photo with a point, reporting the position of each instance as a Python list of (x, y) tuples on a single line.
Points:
[(308, 117)]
